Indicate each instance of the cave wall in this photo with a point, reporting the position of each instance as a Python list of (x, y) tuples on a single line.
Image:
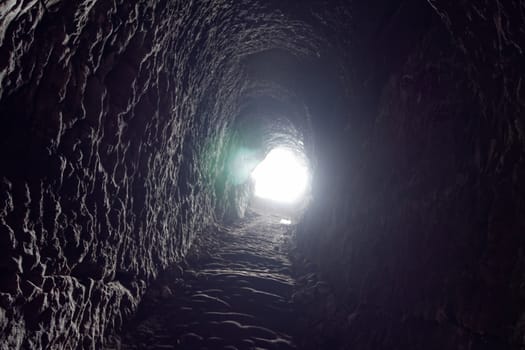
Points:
[(117, 128), (419, 223), (112, 134)]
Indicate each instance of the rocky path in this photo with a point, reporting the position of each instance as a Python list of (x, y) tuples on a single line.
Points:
[(237, 296)]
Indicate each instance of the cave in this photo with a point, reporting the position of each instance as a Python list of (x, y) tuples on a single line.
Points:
[(130, 135)]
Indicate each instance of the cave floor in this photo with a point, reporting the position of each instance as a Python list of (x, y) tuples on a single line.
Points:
[(236, 295)]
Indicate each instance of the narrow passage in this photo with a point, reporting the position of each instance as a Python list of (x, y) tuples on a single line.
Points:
[(237, 295)]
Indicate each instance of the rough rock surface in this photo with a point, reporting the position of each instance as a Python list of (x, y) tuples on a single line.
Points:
[(116, 142), (108, 157), (421, 231), (121, 122), (235, 295)]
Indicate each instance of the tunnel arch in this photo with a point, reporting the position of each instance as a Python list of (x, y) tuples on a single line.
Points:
[(118, 121)]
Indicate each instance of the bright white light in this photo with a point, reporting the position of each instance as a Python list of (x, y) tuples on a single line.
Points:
[(285, 222), (281, 176)]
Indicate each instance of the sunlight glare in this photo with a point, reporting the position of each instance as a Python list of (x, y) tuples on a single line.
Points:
[(281, 176)]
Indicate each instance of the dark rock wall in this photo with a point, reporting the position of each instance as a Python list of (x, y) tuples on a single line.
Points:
[(120, 119), (115, 123), (105, 174), (118, 123), (421, 227)]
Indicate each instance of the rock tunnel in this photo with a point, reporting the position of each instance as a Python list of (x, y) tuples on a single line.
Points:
[(129, 130)]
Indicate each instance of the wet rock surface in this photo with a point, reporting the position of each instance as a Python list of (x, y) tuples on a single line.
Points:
[(237, 295)]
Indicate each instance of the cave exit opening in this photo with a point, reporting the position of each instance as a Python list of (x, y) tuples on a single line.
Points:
[(283, 177)]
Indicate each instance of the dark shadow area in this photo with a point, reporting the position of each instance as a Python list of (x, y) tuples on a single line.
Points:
[(129, 132)]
